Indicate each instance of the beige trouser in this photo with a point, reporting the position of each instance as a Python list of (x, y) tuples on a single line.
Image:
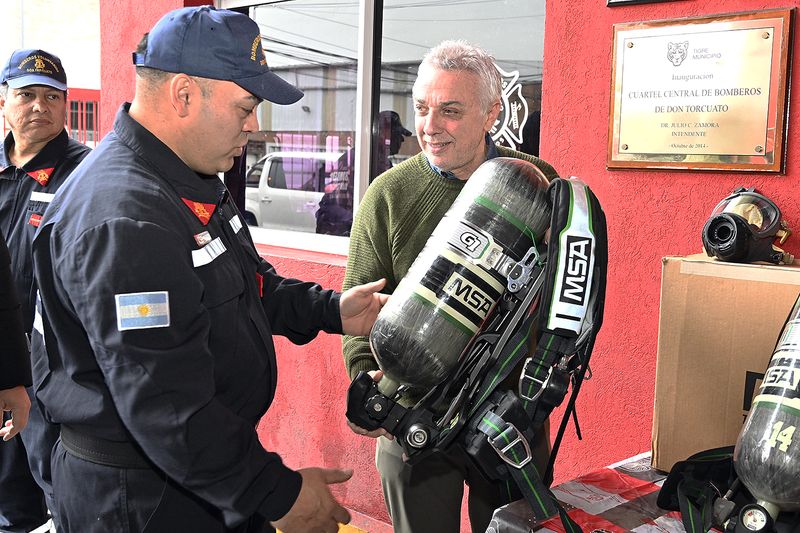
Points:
[(426, 497)]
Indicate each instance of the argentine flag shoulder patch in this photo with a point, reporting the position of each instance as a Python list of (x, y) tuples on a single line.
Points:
[(142, 310)]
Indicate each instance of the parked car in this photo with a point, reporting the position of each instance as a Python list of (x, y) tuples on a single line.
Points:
[(284, 189)]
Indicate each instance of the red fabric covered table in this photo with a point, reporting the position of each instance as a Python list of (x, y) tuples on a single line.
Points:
[(620, 497)]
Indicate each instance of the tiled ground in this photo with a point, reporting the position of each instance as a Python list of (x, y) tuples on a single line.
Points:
[(350, 529), (346, 529)]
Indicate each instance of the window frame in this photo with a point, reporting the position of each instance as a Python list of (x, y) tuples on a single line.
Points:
[(368, 27), (85, 128), (369, 32)]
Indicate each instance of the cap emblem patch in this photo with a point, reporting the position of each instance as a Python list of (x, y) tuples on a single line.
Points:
[(254, 47), (39, 65)]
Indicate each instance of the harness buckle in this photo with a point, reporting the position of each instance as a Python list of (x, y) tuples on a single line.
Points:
[(502, 452), (539, 384)]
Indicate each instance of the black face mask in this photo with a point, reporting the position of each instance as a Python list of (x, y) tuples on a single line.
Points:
[(743, 227)]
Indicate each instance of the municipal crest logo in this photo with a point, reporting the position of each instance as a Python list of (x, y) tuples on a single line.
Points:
[(677, 52), (38, 64), (507, 128)]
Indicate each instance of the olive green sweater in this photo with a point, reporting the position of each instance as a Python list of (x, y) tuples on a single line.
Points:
[(399, 212)]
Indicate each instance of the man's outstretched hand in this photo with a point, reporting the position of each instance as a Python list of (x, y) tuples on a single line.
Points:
[(15, 400), (316, 510), (359, 307)]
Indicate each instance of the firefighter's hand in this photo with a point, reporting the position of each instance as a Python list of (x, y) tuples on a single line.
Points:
[(359, 307), (316, 510), (375, 433), (15, 400)]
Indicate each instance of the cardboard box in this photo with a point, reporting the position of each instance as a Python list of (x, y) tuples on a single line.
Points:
[(718, 326)]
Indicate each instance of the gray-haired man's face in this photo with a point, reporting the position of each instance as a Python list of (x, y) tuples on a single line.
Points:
[(450, 121)]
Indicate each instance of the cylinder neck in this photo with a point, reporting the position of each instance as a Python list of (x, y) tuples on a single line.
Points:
[(771, 508), (387, 386)]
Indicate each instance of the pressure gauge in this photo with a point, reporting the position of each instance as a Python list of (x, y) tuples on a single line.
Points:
[(755, 518)]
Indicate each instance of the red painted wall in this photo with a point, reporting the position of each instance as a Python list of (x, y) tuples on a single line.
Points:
[(650, 215), (122, 24), (306, 423)]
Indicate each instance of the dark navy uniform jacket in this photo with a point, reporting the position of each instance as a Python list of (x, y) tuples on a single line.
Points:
[(25, 193), (158, 316), (15, 367)]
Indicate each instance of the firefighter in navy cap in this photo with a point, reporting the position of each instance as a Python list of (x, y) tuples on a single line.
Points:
[(155, 351), (37, 157)]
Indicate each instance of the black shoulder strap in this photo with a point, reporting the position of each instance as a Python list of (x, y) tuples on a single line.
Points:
[(572, 299), (575, 283), (701, 488)]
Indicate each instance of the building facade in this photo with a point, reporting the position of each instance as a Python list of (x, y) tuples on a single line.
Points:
[(650, 213)]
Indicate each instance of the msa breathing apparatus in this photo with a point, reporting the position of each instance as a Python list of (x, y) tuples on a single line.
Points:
[(743, 228), (754, 487), (462, 318)]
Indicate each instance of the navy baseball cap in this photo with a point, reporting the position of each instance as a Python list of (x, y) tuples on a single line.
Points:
[(218, 44), (28, 67)]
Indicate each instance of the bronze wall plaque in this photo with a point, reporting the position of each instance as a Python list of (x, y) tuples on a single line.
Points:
[(701, 93), (614, 3)]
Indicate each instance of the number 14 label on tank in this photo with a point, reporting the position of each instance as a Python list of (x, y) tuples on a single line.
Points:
[(781, 437)]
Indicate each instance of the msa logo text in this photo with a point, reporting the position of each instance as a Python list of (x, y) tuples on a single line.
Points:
[(461, 289), (576, 271), (785, 377)]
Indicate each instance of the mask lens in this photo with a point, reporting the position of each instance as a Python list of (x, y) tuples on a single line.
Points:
[(751, 213), (761, 214)]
